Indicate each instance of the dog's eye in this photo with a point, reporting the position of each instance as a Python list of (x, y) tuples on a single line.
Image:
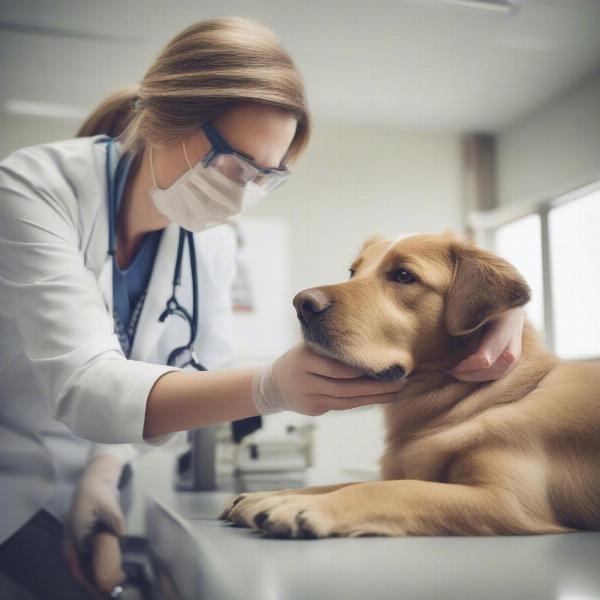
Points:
[(402, 276), (352, 272)]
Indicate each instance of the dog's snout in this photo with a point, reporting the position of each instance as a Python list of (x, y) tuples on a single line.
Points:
[(310, 303)]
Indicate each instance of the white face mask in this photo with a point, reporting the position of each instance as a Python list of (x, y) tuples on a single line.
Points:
[(203, 197)]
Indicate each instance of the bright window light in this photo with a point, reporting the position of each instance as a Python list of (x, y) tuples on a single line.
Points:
[(574, 230), (520, 243)]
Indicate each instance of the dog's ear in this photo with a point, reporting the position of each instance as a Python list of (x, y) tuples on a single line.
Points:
[(466, 237), (482, 287), (451, 235), (370, 241)]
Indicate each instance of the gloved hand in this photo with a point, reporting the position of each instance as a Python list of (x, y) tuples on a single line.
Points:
[(96, 522), (310, 384), (498, 351), (96, 504)]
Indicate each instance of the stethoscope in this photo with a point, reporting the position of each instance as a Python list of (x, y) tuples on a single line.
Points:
[(173, 306)]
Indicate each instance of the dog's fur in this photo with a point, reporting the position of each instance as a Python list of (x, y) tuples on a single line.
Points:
[(519, 455)]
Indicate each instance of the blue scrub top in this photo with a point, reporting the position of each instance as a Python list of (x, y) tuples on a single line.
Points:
[(130, 284)]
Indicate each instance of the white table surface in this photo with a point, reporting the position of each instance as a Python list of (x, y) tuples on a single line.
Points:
[(208, 559)]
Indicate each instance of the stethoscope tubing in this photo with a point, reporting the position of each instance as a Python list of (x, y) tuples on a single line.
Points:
[(173, 306)]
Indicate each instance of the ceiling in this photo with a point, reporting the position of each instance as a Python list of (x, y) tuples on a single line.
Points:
[(413, 64)]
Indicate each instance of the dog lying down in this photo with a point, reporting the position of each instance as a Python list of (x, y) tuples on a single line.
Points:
[(520, 455)]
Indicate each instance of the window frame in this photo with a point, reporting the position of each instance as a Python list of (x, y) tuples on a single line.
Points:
[(485, 224)]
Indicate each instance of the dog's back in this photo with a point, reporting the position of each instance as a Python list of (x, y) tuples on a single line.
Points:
[(569, 417)]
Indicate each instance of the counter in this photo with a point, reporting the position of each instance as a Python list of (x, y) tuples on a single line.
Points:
[(208, 559)]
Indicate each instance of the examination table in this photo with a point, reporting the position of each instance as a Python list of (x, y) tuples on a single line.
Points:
[(198, 557)]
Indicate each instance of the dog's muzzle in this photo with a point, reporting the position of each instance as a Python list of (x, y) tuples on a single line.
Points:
[(311, 308), (392, 373), (310, 304)]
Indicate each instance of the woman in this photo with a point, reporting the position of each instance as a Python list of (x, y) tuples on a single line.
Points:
[(91, 353)]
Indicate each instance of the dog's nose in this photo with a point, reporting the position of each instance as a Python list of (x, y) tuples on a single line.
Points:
[(310, 303)]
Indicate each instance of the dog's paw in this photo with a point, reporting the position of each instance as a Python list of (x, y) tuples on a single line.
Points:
[(308, 516), (224, 516), (248, 499), (289, 516)]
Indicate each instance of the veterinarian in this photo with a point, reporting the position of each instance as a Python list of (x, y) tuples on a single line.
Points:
[(115, 281)]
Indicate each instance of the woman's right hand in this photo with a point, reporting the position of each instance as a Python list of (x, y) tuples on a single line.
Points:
[(308, 383)]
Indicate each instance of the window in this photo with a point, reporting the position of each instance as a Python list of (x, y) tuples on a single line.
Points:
[(520, 242), (574, 238), (555, 244)]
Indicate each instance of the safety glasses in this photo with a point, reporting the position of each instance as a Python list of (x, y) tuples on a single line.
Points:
[(237, 166)]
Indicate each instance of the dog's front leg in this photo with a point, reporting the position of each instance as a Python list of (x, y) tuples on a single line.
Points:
[(239, 509), (403, 507)]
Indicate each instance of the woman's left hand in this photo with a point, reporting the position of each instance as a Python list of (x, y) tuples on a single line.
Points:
[(499, 349), (96, 522)]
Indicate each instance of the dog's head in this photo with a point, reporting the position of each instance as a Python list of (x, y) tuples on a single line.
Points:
[(407, 303)]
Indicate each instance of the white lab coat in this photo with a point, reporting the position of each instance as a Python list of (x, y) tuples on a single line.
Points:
[(66, 389)]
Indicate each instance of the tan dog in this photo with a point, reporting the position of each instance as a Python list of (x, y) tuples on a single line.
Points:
[(519, 455)]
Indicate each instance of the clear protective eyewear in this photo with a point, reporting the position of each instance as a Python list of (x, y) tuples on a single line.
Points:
[(238, 166)]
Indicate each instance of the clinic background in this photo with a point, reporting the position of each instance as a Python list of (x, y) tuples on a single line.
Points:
[(404, 95)]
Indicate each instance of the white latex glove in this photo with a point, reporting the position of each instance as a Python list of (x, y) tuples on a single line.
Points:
[(91, 547), (96, 504), (498, 351), (310, 384)]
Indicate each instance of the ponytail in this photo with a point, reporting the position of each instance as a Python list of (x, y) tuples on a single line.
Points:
[(112, 116), (203, 71)]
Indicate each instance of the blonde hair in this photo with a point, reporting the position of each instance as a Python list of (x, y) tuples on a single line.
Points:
[(206, 69)]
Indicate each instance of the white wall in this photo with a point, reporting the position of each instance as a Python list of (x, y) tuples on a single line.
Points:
[(19, 131), (553, 150), (357, 181)]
